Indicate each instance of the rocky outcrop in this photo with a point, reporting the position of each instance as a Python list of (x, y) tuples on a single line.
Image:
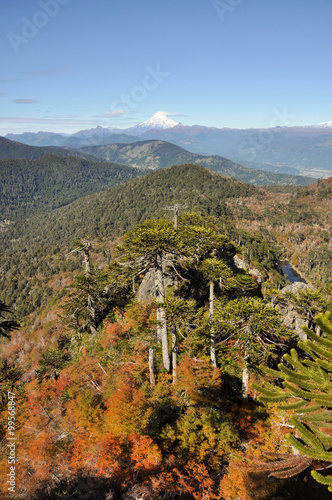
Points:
[(291, 316), (255, 273), (147, 288)]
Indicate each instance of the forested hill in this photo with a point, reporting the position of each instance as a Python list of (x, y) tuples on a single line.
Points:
[(29, 187), (151, 154), (37, 246), (323, 189), (112, 212), (154, 154), (16, 150), (34, 248), (120, 396)]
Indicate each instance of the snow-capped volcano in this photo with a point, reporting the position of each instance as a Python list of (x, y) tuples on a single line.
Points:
[(158, 121), (323, 125)]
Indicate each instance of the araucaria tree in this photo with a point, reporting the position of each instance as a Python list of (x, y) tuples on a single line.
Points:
[(214, 270), (146, 247), (256, 329), (307, 394)]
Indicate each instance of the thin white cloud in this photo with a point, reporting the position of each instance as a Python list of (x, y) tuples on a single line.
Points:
[(25, 101), (18, 124), (113, 114)]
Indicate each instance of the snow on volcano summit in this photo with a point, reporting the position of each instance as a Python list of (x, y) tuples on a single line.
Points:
[(158, 121), (324, 125)]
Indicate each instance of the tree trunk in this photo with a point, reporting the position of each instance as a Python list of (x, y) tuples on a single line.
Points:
[(212, 338), (245, 378), (161, 313), (86, 256), (176, 215), (159, 336), (174, 354), (151, 369), (87, 270), (92, 316)]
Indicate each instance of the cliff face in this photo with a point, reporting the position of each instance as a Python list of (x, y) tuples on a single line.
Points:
[(147, 289), (292, 318), (255, 273)]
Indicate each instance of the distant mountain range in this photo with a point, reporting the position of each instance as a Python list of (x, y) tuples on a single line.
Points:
[(289, 150), (96, 136), (154, 154), (148, 154)]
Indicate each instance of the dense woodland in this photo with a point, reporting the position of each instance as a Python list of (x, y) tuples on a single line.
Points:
[(148, 363), (38, 186)]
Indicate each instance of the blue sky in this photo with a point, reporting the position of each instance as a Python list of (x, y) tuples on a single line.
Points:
[(68, 65)]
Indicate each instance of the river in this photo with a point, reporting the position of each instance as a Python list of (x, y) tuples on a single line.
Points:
[(291, 274)]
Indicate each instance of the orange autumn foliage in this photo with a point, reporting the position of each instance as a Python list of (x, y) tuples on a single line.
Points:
[(199, 380), (191, 481), (62, 383), (145, 453), (238, 484), (127, 410)]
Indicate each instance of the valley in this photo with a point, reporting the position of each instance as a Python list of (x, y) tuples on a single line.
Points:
[(140, 347), (280, 148)]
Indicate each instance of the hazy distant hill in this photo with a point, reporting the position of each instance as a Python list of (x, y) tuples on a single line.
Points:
[(38, 138), (301, 150), (156, 154), (97, 139), (285, 149), (151, 155), (12, 150), (96, 136)]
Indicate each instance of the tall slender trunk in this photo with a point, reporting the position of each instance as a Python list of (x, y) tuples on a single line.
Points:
[(87, 271), (212, 337), (174, 355), (92, 315), (176, 217), (174, 336), (161, 313), (159, 335), (151, 368), (245, 378), (86, 259)]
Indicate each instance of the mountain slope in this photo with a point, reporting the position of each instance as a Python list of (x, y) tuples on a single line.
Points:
[(305, 150), (28, 187), (38, 138), (302, 150), (12, 150), (98, 135), (36, 246), (156, 154), (111, 212)]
